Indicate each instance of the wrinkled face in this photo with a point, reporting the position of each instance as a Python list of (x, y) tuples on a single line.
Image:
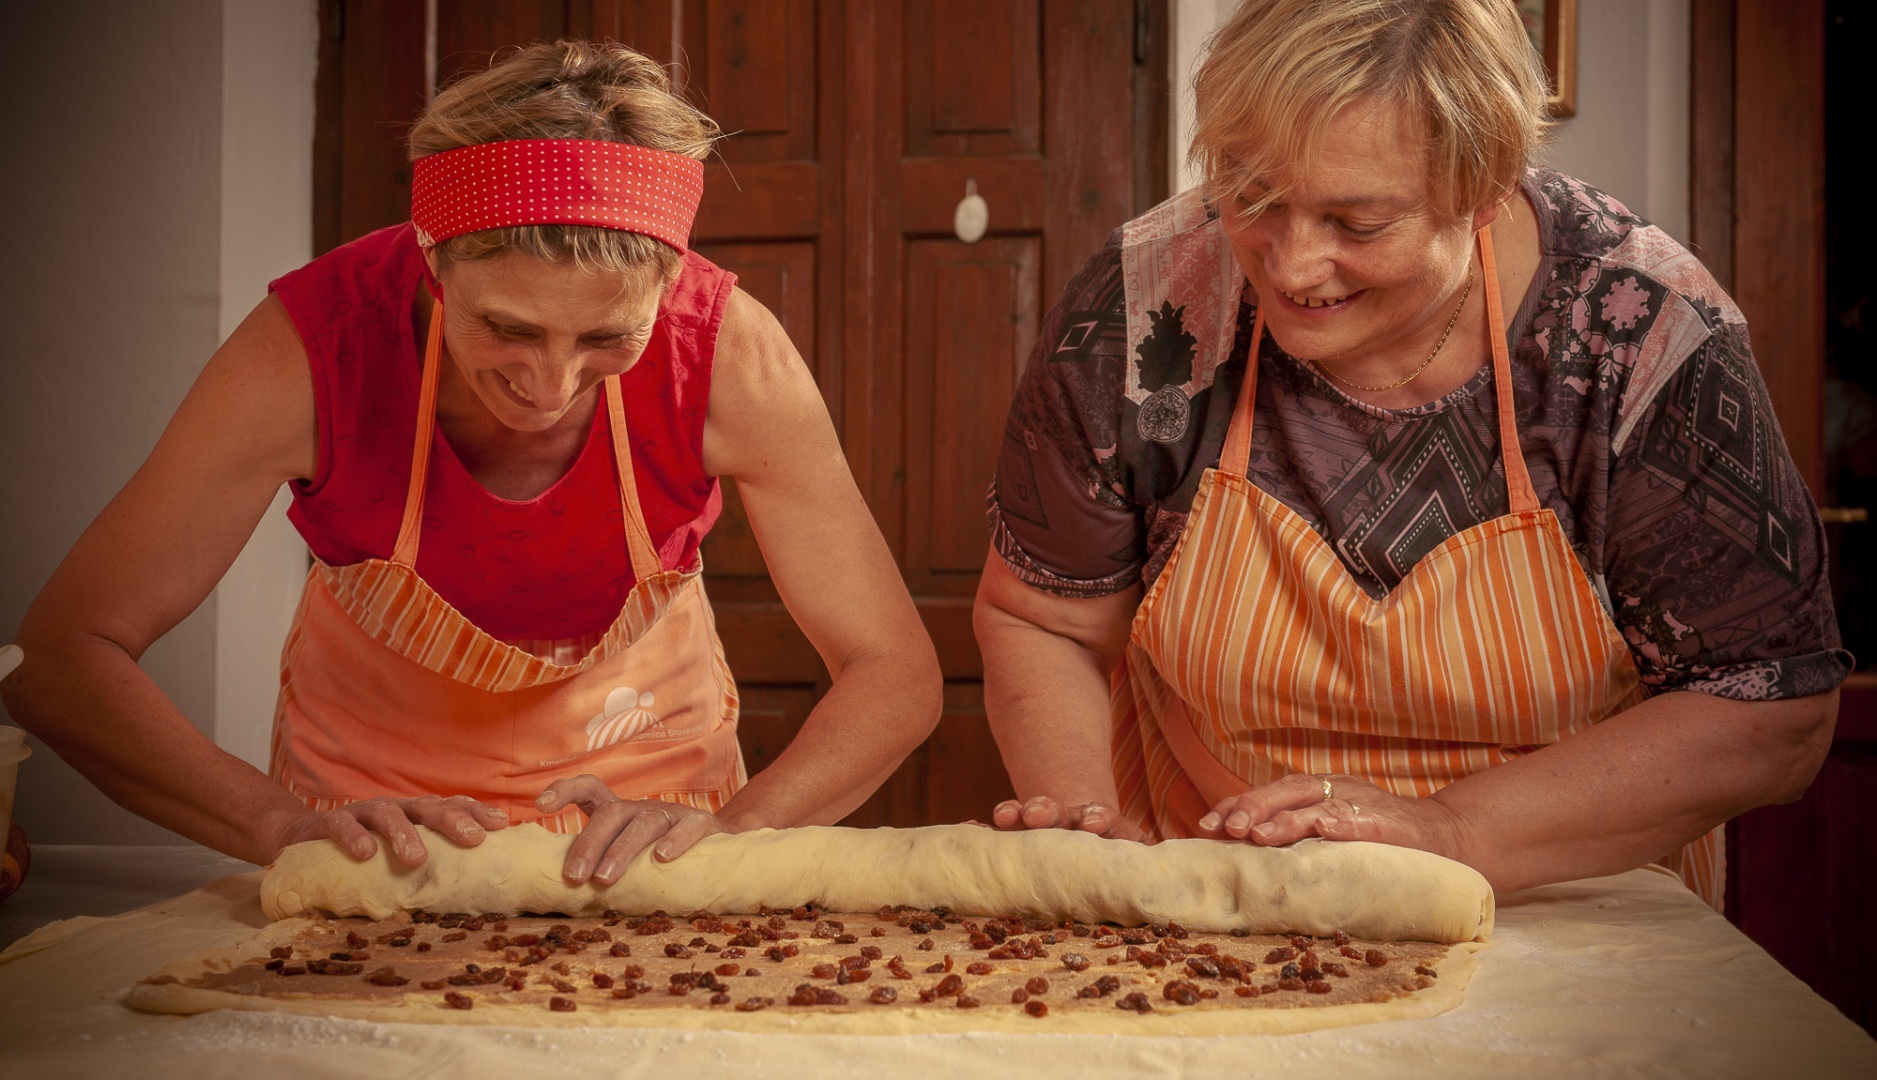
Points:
[(531, 338), (1356, 263)]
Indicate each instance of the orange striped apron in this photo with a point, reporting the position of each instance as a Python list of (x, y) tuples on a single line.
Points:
[(385, 689), (1256, 654)]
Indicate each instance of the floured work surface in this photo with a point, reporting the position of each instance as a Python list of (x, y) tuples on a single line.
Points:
[(1629, 975), (806, 970), (1054, 929)]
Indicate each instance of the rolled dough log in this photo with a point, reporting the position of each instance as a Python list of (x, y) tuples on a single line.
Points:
[(1313, 887)]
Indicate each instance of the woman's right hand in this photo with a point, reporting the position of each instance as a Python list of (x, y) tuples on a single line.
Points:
[(359, 827), (1043, 812)]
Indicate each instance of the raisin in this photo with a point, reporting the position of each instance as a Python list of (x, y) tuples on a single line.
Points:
[(754, 1004), (384, 976), (1279, 956), (1181, 992), (1290, 971), (1341, 938), (1136, 1002), (1036, 1008), (966, 1001), (979, 968), (1290, 984), (1423, 969), (1375, 957), (1202, 966), (459, 1001), (1245, 991), (1330, 967), (949, 985), (1037, 985), (561, 1004), (1019, 996), (1075, 961), (1318, 987), (883, 995)]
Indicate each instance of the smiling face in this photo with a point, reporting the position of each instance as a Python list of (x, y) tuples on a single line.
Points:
[(531, 338), (1354, 266)]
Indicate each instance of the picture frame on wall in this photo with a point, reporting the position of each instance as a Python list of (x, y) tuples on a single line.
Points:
[(1552, 26)]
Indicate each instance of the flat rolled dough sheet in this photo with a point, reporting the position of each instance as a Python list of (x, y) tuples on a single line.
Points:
[(1372, 891)]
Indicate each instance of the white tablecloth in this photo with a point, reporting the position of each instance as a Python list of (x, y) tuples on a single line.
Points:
[(1622, 976)]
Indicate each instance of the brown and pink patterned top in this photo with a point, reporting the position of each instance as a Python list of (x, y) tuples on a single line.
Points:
[(1645, 423)]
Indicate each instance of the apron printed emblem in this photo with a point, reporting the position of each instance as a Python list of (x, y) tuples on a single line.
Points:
[(626, 713)]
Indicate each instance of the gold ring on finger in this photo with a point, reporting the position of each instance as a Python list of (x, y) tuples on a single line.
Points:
[(1329, 791)]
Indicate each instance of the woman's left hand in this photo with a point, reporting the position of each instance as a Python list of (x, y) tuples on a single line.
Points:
[(1336, 807), (618, 829)]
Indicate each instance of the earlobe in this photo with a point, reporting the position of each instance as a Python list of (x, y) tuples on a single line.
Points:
[(1488, 214)]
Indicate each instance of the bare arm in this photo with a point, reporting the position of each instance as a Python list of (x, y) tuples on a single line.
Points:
[(1047, 660), (1630, 790), (148, 560), (769, 429)]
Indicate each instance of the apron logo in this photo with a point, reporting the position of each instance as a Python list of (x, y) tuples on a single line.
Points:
[(626, 713)]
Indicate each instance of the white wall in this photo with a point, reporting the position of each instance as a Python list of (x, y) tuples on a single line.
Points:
[(1630, 134), (270, 54), (157, 174)]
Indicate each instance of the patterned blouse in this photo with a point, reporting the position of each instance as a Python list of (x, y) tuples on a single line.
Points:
[(1643, 420)]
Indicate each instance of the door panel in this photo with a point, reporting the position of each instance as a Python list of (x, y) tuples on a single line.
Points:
[(853, 127)]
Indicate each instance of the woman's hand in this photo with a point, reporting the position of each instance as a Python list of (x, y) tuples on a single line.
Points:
[(1336, 807), (1043, 812), (358, 826), (618, 829)]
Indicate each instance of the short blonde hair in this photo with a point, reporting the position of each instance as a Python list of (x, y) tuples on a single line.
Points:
[(565, 90), (1278, 71)]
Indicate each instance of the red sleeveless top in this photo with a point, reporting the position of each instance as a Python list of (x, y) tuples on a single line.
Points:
[(548, 568)]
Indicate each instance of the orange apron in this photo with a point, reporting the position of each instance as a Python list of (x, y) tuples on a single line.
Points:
[(385, 689), (1255, 654)]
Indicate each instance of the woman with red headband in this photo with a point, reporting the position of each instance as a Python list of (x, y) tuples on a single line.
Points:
[(503, 425)]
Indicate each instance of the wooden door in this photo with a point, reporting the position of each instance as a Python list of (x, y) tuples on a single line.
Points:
[(856, 127), (1802, 878)]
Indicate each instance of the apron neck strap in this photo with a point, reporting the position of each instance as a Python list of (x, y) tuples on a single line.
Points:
[(638, 538), (410, 529), (1236, 458), (1522, 499)]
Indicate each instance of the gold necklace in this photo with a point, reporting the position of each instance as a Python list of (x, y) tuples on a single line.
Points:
[(1416, 373)]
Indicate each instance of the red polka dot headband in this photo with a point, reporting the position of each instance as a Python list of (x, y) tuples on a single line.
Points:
[(556, 182)]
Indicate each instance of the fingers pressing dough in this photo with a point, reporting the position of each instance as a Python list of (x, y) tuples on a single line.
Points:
[(1313, 887)]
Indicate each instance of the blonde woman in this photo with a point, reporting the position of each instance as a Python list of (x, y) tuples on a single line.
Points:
[(1388, 487), (503, 425)]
